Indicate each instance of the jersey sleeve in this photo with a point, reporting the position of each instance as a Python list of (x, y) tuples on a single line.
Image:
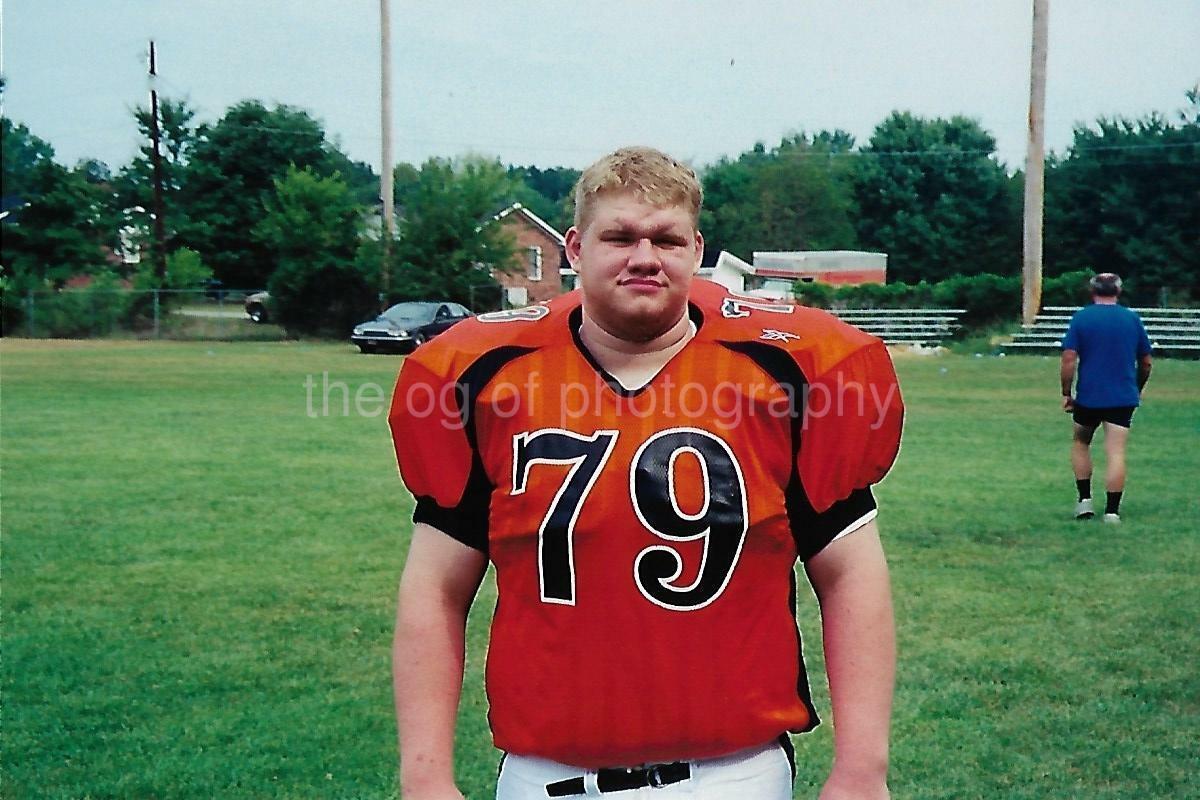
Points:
[(813, 531), (437, 461), (850, 434)]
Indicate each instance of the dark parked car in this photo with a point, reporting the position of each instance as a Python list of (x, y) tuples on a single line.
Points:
[(256, 306), (213, 289), (407, 325)]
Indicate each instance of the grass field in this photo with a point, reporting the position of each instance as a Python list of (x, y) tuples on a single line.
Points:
[(199, 569)]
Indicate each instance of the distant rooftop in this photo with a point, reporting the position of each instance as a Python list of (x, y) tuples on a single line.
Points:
[(797, 261)]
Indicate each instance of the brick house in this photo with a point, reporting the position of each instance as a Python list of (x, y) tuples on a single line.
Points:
[(544, 271)]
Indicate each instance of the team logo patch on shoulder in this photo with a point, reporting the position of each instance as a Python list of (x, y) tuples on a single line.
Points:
[(772, 335), (527, 314), (736, 307)]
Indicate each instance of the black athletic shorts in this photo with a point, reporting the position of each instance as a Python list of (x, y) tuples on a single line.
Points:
[(1092, 417)]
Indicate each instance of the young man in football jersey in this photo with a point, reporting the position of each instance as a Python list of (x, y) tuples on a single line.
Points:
[(643, 461)]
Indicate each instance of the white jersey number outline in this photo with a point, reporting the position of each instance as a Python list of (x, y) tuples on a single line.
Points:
[(736, 307), (721, 523)]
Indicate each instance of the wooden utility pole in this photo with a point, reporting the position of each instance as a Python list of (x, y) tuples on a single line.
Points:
[(160, 245), (1035, 177), (385, 179)]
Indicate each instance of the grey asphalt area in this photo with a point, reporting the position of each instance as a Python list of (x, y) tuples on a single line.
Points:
[(213, 313)]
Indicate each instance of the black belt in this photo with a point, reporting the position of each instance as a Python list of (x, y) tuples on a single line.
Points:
[(619, 780)]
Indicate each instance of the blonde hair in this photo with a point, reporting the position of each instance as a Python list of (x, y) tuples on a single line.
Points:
[(651, 175)]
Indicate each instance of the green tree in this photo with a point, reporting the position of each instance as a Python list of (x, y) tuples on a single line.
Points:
[(546, 192), (56, 223), (358, 175), (229, 177), (1126, 198), (930, 194), (54, 219), (311, 227), (23, 152), (796, 196), (446, 245), (405, 179), (133, 185)]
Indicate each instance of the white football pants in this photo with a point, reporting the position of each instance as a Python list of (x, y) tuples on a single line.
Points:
[(760, 773)]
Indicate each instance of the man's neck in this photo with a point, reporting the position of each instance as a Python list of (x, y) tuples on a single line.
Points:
[(634, 363), (1104, 301), (596, 337)]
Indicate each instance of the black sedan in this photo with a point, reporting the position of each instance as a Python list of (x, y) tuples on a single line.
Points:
[(407, 325)]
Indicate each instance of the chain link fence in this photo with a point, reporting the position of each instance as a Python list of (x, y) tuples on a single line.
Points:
[(105, 311), (125, 313)]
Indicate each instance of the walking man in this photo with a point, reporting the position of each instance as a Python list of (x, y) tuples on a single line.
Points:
[(1108, 344)]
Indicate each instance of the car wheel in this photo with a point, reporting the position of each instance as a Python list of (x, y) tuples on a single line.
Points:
[(366, 348), (419, 338)]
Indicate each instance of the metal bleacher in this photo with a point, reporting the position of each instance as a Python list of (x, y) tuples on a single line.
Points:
[(1171, 330), (898, 326)]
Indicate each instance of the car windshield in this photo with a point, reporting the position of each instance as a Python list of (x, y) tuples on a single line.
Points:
[(411, 312)]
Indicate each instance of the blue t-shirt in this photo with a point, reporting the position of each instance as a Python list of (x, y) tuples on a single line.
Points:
[(1109, 339)]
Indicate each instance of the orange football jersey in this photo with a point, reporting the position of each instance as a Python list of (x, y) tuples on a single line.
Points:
[(644, 541)]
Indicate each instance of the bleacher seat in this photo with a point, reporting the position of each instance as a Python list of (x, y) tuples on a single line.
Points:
[(1171, 330), (927, 327)]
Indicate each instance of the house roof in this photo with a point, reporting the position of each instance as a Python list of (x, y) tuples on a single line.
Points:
[(789, 263), (546, 227)]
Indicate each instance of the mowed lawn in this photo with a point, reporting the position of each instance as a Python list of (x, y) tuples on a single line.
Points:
[(200, 561)]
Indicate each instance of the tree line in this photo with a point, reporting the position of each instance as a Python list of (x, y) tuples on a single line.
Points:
[(1124, 197), (263, 197)]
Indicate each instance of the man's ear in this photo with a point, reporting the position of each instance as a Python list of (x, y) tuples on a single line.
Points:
[(699, 252), (571, 244)]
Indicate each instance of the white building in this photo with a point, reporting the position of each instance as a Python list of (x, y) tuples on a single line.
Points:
[(774, 272)]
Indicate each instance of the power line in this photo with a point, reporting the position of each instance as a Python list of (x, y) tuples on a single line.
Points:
[(941, 152), (957, 153)]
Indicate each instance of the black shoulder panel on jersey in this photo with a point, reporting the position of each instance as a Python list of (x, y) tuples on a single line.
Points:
[(779, 364), (802, 689), (468, 521), (810, 530), (475, 377)]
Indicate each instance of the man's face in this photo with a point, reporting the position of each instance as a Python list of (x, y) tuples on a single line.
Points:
[(635, 263)]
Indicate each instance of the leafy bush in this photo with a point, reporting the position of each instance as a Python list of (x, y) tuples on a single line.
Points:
[(985, 298), (97, 310), (1068, 289), (185, 269), (320, 298), (817, 295)]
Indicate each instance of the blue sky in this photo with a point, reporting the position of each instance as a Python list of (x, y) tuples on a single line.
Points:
[(559, 83)]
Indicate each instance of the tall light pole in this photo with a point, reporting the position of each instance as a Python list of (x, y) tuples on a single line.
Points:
[(385, 112), (1035, 177)]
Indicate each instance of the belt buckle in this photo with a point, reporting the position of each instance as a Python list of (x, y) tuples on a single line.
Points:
[(654, 777)]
